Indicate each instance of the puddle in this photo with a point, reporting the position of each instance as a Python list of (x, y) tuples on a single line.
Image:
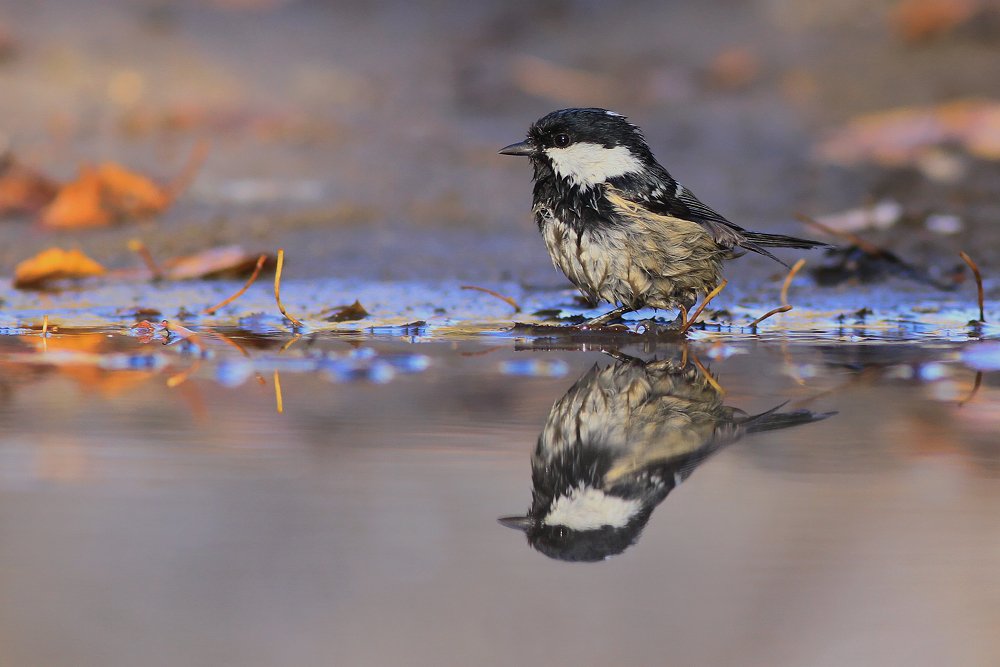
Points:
[(271, 496)]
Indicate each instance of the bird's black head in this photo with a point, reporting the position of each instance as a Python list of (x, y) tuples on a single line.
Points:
[(586, 147)]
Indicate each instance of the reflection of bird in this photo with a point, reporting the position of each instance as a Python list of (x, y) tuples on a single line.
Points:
[(618, 225), (617, 443)]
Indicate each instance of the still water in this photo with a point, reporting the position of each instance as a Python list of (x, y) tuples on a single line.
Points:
[(419, 499)]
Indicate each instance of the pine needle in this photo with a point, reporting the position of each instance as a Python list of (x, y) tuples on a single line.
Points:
[(186, 176), (708, 376), (240, 292), (979, 282), (45, 326), (788, 280), (277, 288), (507, 299), (277, 393), (975, 389), (774, 311)]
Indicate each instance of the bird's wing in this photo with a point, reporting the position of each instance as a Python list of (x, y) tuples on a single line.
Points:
[(672, 200)]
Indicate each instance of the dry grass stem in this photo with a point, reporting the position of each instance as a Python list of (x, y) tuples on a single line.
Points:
[(181, 378), (277, 288), (979, 282), (184, 333), (139, 248), (45, 326), (697, 313), (241, 291), (774, 311), (513, 304), (291, 342), (788, 280)]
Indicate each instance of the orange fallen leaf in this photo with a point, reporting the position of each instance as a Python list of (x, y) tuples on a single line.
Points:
[(54, 264), (734, 68), (110, 193), (22, 189), (922, 20), (130, 195), (78, 203)]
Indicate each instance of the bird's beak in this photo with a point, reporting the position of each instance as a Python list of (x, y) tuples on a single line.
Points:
[(522, 523), (521, 148)]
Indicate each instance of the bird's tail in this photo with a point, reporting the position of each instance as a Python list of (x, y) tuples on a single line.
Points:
[(772, 420), (758, 241)]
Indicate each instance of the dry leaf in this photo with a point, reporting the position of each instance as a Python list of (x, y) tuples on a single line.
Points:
[(54, 264), (348, 313), (219, 262), (23, 190), (903, 136)]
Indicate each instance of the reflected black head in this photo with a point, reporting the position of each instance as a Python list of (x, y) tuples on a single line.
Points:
[(588, 546)]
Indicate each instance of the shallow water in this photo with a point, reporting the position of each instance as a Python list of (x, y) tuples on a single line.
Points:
[(157, 508)]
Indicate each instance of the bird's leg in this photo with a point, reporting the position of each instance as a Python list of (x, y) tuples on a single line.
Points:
[(708, 298), (607, 317)]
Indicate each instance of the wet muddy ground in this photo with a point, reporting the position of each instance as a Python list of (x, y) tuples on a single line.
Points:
[(233, 488)]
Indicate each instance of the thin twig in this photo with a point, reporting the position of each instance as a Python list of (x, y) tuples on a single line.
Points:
[(774, 311), (277, 288), (788, 279), (510, 301), (232, 343), (241, 291), (139, 248), (867, 247), (697, 313), (277, 393), (979, 281)]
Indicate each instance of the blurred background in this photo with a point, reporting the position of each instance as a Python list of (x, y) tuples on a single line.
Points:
[(362, 136)]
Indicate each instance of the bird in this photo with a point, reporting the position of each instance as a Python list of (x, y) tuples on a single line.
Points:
[(618, 442), (619, 226)]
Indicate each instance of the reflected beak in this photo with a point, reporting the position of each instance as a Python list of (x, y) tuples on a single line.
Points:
[(522, 523), (522, 148)]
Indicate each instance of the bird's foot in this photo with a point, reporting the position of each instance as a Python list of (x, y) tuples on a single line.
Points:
[(689, 322)]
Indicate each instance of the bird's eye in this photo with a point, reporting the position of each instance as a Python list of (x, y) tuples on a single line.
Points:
[(561, 140)]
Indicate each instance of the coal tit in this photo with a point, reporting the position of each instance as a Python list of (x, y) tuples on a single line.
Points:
[(616, 222), (617, 443)]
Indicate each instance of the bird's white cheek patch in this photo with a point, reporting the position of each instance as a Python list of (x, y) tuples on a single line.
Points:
[(587, 164), (590, 509)]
